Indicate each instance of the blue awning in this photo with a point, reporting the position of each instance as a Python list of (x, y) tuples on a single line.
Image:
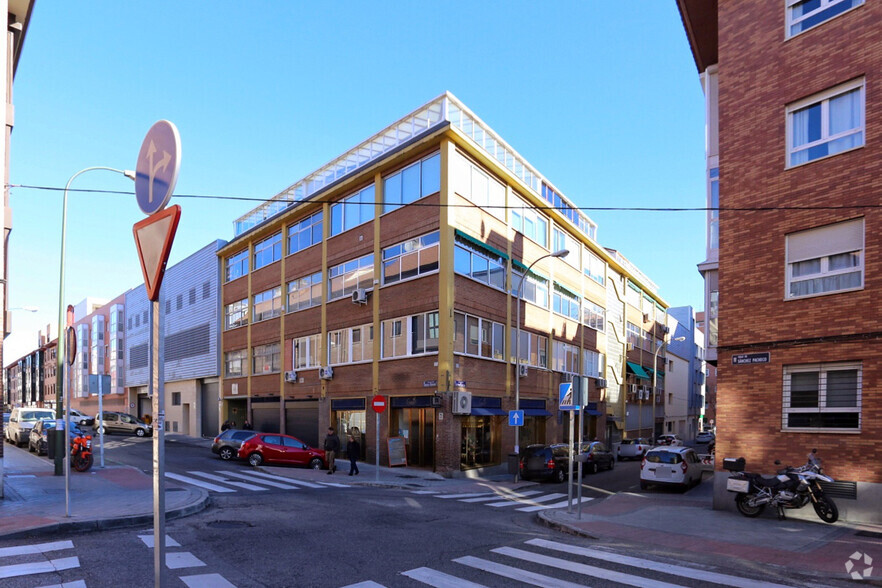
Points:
[(637, 370), (537, 412), (592, 412), (488, 412)]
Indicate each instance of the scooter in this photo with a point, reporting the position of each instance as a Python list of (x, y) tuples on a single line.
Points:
[(81, 452), (790, 488)]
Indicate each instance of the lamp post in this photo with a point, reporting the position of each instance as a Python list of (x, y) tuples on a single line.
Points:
[(559, 253), (62, 445), (655, 378)]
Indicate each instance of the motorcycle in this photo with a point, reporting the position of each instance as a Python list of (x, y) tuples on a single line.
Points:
[(792, 487), (81, 452)]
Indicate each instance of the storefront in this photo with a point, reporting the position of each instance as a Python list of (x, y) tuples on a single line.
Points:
[(348, 418), (535, 418), (482, 433), (413, 419)]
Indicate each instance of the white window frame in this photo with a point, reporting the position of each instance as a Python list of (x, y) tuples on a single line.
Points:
[(309, 283), (237, 357), (403, 334), (593, 363), (419, 248), (274, 297), (822, 369), (593, 315), (236, 309), (825, 270), (533, 348), (425, 188), (305, 352), (495, 265), (522, 214), (268, 251), (354, 210), (823, 98), (464, 324), (566, 301), (305, 225), (825, 4), (361, 270), (267, 355), (593, 266), (566, 358), (237, 261)]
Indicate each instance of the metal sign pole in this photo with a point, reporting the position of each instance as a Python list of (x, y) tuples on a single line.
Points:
[(581, 427), (101, 418), (377, 452), (65, 436), (157, 390), (570, 485)]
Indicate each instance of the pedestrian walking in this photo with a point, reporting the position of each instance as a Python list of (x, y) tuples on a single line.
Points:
[(332, 446), (247, 425), (353, 450)]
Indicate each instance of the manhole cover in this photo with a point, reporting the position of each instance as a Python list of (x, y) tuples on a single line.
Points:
[(228, 524)]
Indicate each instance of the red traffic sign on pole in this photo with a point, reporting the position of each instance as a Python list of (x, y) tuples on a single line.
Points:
[(153, 239), (378, 404)]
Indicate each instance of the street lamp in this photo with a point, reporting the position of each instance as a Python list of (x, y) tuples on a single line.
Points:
[(560, 253), (655, 377)]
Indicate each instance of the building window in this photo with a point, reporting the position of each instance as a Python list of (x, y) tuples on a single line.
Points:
[(474, 184), (353, 345), (352, 211), (268, 304), (826, 259), (268, 251), (594, 267), (822, 396), (338, 347), (477, 336), (265, 359), (206, 290), (564, 302), (346, 277), (527, 221), (306, 233), (805, 14), (236, 314), (424, 333), (236, 266), (566, 358), (394, 341), (635, 335), (410, 259), (593, 315), (176, 398), (305, 292), (563, 240), (179, 304), (412, 183), (234, 362), (593, 363), (713, 223), (306, 352), (826, 124), (410, 336), (478, 263), (168, 307), (535, 287), (533, 348), (192, 296)]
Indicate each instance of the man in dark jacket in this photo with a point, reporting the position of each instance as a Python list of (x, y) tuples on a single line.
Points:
[(332, 446)]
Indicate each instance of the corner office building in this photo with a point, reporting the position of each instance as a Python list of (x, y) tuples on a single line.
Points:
[(794, 121), (392, 271)]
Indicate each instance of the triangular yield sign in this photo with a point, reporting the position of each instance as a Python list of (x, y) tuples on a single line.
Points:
[(153, 239)]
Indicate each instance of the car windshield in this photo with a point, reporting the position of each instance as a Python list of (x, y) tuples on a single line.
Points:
[(628, 441), (663, 457), (33, 415)]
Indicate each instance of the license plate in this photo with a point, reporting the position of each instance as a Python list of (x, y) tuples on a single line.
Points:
[(733, 485)]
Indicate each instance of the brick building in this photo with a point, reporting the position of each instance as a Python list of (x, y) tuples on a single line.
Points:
[(794, 164), (392, 271)]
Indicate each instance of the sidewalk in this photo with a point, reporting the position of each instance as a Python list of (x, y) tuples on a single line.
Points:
[(115, 496), (687, 526)]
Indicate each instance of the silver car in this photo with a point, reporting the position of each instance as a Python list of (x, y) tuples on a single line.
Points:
[(120, 422)]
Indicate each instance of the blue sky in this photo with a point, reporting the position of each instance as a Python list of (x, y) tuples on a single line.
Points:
[(602, 98)]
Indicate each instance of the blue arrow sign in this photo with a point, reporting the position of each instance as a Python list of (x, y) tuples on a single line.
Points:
[(516, 418), (566, 396), (157, 167)]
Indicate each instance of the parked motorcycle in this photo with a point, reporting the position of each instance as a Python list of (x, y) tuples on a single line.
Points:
[(81, 452), (793, 487)]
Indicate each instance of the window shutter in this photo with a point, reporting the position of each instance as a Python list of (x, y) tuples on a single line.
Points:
[(828, 240)]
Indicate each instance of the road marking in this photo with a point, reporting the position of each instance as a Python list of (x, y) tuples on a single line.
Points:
[(182, 559), (515, 573), (560, 504), (439, 579), (335, 484), (148, 541), (584, 569), (207, 581), (74, 584), (40, 567), (195, 482), (472, 495), (423, 491), (38, 548), (287, 480), (674, 570), (530, 502), (223, 480), (260, 480), (510, 496), (366, 584)]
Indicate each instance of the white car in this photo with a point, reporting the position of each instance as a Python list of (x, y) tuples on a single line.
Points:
[(633, 448), (77, 418), (672, 440), (22, 420), (704, 437), (670, 466)]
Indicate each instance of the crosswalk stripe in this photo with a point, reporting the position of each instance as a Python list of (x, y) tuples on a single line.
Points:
[(560, 504), (223, 480), (40, 567), (529, 502), (261, 481), (335, 484), (496, 496), (439, 579), (38, 548), (148, 541), (468, 495), (207, 581), (74, 584), (286, 480), (584, 569), (366, 584), (182, 559), (423, 491), (196, 482), (515, 573), (672, 569)]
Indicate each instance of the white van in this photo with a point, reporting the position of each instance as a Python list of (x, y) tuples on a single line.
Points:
[(22, 420)]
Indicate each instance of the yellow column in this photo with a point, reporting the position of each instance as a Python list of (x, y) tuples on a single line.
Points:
[(446, 220), (322, 357), (378, 274)]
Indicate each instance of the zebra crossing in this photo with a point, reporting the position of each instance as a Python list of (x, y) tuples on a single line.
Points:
[(35, 559), (525, 501), (541, 562), (228, 481)]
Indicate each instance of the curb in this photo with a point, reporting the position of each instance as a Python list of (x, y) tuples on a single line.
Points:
[(112, 523), (543, 519)]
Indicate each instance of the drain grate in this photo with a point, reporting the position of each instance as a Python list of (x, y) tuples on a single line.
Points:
[(228, 524), (873, 534)]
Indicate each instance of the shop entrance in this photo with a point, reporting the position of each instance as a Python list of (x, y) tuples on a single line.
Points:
[(413, 418), (348, 418)]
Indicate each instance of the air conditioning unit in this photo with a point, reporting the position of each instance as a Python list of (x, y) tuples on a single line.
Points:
[(522, 370), (601, 383), (326, 373), (632, 388), (630, 347), (359, 296), (666, 329), (462, 403), (291, 377)]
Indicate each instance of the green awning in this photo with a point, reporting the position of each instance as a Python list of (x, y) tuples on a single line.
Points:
[(523, 268), (480, 244), (637, 370)]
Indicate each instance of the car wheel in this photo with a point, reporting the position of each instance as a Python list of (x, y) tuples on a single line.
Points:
[(644, 484), (255, 459), (612, 464), (560, 476), (140, 432), (102, 430), (31, 448), (226, 453), (592, 469), (316, 463)]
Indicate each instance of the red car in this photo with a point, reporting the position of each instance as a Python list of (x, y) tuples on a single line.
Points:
[(276, 448)]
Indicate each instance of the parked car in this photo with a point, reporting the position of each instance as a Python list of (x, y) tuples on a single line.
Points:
[(670, 440), (227, 444), (80, 419), (704, 437), (633, 448), (596, 456), (544, 462), (670, 466), (38, 440), (276, 448), (22, 420), (120, 422)]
